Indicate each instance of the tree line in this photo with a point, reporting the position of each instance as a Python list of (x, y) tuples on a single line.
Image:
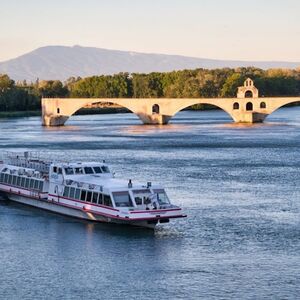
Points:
[(177, 84)]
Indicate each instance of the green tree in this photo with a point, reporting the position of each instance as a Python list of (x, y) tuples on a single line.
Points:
[(52, 88), (231, 84)]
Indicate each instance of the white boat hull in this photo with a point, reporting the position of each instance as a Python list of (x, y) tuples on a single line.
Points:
[(76, 213)]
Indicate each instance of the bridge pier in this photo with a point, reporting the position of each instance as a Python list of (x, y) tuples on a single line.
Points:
[(54, 120), (249, 117), (154, 119)]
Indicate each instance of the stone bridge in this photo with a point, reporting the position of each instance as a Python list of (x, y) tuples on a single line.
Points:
[(248, 107)]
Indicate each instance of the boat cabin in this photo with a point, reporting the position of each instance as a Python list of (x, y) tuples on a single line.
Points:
[(75, 169), (23, 179), (93, 183)]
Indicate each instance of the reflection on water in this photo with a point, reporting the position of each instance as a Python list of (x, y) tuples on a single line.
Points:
[(138, 129), (238, 183)]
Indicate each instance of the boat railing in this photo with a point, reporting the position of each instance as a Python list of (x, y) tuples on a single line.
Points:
[(39, 160), (31, 160), (41, 156)]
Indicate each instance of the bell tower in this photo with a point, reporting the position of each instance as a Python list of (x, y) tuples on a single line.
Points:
[(248, 90)]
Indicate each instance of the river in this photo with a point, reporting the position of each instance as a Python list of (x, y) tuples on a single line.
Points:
[(238, 184)]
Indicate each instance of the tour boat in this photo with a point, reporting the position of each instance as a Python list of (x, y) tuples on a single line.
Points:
[(85, 190)]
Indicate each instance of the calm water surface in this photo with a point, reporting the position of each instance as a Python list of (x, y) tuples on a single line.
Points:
[(239, 186)]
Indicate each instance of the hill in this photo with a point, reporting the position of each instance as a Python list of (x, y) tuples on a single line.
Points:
[(61, 62)]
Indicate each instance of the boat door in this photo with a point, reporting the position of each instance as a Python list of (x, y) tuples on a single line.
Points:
[(56, 192)]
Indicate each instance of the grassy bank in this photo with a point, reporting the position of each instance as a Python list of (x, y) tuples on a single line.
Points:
[(19, 114)]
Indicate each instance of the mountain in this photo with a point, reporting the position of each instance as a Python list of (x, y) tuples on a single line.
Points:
[(61, 62)]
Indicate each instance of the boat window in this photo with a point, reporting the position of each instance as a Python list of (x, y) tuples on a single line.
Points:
[(6, 178), (27, 183), (83, 195), (138, 200), (100, 199), (31, 183), (18, 181), (10, 179), (1, 177), (122, 199), (59, 170), (105, 169), (89, 196), (66, 191), (77, 194), (14, 181), (88, 170), (95, 198), (23, 182), (139, 195), (162, 198), (69, 171), (54, 169), (97, 170), (36, 184), (41, 185), (78, 171), (107, 200), (72, 192)]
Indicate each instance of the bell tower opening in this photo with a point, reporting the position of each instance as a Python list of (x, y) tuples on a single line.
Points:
[(249, 94)]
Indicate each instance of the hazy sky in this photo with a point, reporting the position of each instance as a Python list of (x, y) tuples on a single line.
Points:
[(224, 29)]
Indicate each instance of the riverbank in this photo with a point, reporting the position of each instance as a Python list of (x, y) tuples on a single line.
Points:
[(19, 114)]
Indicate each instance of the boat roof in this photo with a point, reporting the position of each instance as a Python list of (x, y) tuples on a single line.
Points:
[(110, 183), (79, 164)]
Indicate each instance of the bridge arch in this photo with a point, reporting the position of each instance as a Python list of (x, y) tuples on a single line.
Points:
[(97, 101), (224, 108), (287, 102), (56, 111)]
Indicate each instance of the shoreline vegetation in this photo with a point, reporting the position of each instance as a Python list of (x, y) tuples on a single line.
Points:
[(23, 99)]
